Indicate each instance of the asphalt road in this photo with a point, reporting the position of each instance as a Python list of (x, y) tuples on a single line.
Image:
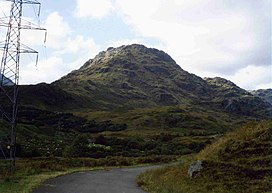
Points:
[(121, 180)]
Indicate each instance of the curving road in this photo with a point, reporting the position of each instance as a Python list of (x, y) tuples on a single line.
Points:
[(121, 180)]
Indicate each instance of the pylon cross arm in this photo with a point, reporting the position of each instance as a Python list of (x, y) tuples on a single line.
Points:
[(24, 1)]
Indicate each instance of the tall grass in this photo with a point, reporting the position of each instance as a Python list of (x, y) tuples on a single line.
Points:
[(239, 162)]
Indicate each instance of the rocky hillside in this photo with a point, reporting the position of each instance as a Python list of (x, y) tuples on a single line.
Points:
[(134, 76), (265, 94), (224, 88), (237, 100)]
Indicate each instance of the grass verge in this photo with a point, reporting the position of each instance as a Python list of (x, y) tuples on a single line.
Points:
[(22, 183), (30, 173), (239, 162)]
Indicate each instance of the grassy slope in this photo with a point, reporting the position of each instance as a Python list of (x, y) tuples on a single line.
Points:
[(238, 162), (181, 119), (265, 94), (175, 130)]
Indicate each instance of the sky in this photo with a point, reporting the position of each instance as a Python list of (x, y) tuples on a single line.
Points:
[(210, 38)]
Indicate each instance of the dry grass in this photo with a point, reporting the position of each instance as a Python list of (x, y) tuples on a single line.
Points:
[(239, 162), (249, 135)]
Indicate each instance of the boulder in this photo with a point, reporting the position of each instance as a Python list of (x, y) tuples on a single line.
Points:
[(195, 168)]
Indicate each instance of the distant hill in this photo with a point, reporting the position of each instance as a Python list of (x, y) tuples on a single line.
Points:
[(265, 94), (237, 100)]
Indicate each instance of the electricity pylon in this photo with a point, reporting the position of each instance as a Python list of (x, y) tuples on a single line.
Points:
[(9, 69)]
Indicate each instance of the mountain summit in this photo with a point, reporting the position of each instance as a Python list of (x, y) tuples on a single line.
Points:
[(135, 76)]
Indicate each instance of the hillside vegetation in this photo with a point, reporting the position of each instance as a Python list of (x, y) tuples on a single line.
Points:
[(238, 162), (124, 101), (158, 131), (265, 94), (134, 76), (133, 104)]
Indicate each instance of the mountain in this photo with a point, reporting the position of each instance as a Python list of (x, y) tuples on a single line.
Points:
[(134, 76), (225, 88), (5, 81), (129, 95), (265, 94), (237, 100)]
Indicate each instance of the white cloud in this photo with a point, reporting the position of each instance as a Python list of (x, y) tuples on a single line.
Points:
[(46, 71), (66, 51), (93, 8), (253, 77), (206, 37), (202, 37), (60, 62), (4, 8), (74, 45), (60, 37), (118, 43), (57, 30)]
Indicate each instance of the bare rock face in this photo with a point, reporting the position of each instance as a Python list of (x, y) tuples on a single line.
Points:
[(195, 168), (236, 100), (265, 94)]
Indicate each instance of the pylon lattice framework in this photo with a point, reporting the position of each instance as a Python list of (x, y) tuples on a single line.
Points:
[(9, 70)]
